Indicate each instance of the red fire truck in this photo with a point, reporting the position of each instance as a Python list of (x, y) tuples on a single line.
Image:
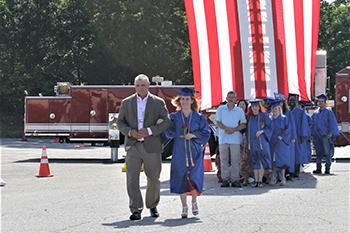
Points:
[(342, 103), (86, 113)]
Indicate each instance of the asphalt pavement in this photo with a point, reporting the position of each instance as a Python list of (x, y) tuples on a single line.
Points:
[(87, 193)]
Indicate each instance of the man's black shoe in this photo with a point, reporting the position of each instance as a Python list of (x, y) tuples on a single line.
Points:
[(236, 184), (327, 172), (225, 184), (135, 216), (317, 171), (154, 212)]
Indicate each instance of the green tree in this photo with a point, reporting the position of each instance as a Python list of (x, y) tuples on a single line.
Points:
[(42, 42), (334, 37)]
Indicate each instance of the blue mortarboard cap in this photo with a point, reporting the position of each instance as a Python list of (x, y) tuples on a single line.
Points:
[(279, 96), (293, 95), (275, 103), (322, 96), (186, 91), (255, 101)]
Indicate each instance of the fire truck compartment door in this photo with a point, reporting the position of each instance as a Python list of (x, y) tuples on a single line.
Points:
[(59, 115), (98, 112), (37, 115)]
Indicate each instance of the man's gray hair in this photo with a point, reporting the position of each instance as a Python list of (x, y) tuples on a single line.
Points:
[(142, 77)]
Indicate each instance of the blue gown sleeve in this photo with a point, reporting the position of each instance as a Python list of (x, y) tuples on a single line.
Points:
[(170, 132), (304, 127), (203, 131), (333, 125), (292, 125), (287, 131), (267, 126)]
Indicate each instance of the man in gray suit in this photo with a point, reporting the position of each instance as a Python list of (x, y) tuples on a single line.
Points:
[(142, 118)]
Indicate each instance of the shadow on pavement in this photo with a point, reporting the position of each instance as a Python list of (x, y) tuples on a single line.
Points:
[(152, 221), (212, 187), (75, 160)]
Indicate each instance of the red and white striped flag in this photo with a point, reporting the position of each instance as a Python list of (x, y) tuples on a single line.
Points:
[(255, 47)]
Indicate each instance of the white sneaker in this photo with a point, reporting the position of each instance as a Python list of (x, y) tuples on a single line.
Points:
[(2, 182), (184, 213), (195, 210)]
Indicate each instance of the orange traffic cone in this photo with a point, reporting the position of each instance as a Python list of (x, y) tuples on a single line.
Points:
[(44, 170), (207, 159)]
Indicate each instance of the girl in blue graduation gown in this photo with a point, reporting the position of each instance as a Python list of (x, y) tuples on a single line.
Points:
[(190, 130), (280, 141), (259, 135)]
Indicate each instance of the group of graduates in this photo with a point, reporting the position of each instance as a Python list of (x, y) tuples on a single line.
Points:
[(277, 139), (271, 139)]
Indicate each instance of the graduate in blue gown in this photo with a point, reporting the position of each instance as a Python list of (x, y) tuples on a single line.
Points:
[(288, 114), (190, 130), (259, 135), (324, 132), (309, 134), (302, 133), (280, 141)]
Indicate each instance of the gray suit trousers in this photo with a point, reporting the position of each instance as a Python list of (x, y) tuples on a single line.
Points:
[(152, 167)]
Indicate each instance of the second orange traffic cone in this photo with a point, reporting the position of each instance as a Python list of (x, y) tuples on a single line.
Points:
[(44, 170), (207, 159)]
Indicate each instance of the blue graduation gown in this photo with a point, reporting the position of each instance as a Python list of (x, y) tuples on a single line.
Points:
[(179, 172), (302, 133), (308, 142), (260, 147), (281, 148), (293, 135), (324, 123)]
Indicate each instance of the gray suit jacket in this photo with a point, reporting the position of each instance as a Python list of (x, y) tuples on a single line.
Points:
[(155, 110)]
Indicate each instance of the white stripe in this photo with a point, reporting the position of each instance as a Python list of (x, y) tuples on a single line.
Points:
[(102, 127), (99, 128), (203, 53), (291, 53), (269, 47), (44, 161), (246, 49), (307, 6), (224, 47)]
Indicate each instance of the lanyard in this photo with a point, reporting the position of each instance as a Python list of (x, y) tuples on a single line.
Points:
[(186, 131)]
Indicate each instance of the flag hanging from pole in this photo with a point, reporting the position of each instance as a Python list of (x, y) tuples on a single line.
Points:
[(255, 47)]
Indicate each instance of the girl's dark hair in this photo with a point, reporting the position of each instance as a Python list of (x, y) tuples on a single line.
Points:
[(246, 104), (176, 103)]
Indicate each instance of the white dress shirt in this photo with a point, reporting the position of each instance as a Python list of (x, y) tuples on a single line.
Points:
[(141, 107)]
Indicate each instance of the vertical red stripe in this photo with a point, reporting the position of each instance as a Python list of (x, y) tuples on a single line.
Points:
[(258, 48), (191, 21), (235, 46), (280, 46), (214, 56), (315, 25), (299, 39)]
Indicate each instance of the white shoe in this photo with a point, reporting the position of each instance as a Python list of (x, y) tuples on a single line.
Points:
[(195, 210), (2, 182), (184, 213)]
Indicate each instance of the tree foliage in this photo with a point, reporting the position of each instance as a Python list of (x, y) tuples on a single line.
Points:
[(334, 37), (109, 42)]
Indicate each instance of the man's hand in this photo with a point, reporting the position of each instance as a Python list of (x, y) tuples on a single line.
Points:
[(229, 130), (280, 137), (189, 136), (134, 134), (259, 133), (292, 141), (143, 133)]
